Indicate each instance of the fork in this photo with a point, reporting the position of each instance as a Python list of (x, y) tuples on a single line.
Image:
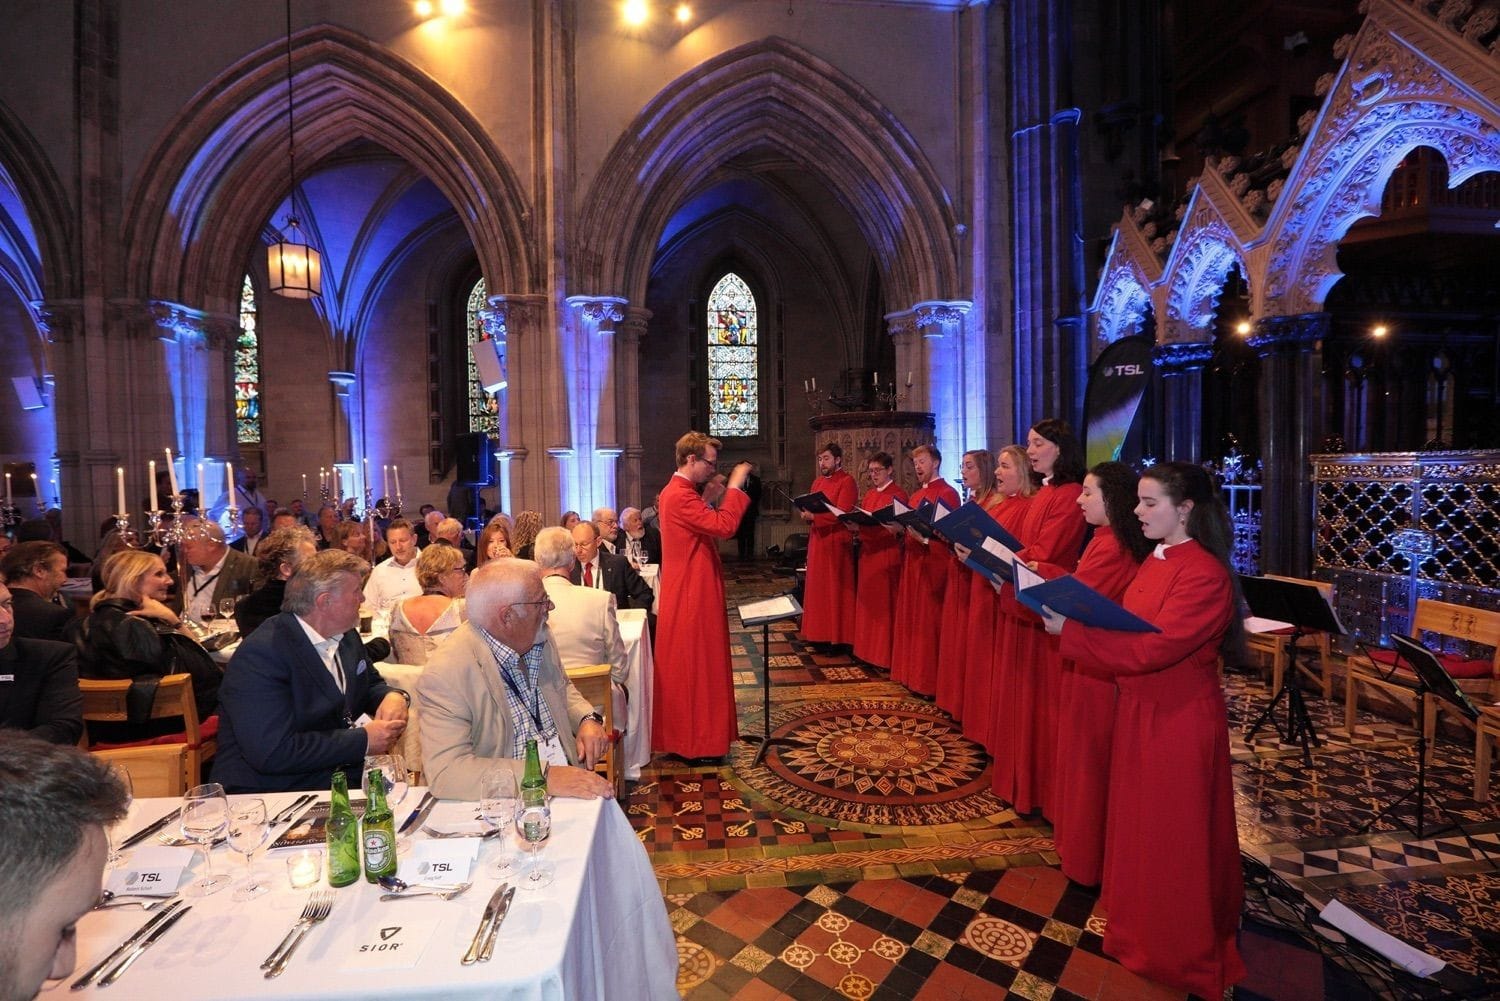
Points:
[(317, 908), (493, 832), (445, 892)]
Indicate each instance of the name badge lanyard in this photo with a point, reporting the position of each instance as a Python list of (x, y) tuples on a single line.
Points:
[(534, 708)]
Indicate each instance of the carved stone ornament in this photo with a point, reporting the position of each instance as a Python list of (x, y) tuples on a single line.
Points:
[(1202, 261), (181, 324), (58, 322), (936, 319), (1182, 356), (1289, 333), (1120, 308)]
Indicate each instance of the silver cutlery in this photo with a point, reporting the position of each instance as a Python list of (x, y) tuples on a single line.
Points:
[(125, 946), (445, 892), (490, 910), (320, 903), (109, 898), (420, 813), (493, 832), (178, 841), (489, 940), (141, 947), (149, 829), (299, 804)]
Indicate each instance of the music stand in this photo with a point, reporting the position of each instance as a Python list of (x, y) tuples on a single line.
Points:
[(1302, 606), (1431, 680), (763, 613)]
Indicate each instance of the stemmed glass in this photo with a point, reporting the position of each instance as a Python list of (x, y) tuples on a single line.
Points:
[(392, 768), (205, 817), (497, 805), (117, 829), (248, 830), (226, 609), (534, 826)]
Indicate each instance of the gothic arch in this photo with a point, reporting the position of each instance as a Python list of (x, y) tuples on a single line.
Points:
[(771, 93), (1201, 260), (49, 274), (1120, 305), (220, 168)]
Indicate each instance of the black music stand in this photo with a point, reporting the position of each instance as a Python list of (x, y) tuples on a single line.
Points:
[(763, 613), (1431, 680), (1303, 606)]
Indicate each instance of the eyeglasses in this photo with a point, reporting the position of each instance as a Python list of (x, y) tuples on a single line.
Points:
[(544, 601)]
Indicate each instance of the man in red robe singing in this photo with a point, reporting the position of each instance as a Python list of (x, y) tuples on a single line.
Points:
[(694, 714), (828, 607)]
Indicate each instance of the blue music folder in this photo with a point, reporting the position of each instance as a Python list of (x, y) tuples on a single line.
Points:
[(970, 525), (1067, 595), (990, 566)]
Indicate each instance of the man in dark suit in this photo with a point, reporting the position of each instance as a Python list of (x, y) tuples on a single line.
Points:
[(596, 568), (254, 532), (38, 683), (637, 531), (300, 697), (34, 571)]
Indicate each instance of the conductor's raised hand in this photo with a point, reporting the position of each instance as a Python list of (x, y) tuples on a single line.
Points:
[(739, 475)]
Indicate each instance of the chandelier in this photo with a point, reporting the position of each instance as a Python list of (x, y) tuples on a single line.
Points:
[(295, 267)]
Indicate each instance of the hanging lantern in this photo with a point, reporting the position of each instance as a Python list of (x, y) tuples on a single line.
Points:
[(296, 269)]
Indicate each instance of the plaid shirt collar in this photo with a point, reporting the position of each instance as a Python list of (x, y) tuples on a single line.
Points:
[(518, 675)]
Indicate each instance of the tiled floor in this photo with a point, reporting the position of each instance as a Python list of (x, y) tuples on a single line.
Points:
[(818, 900)]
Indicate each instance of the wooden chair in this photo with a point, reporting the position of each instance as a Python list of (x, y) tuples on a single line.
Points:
[(1478, 678), (104, 702), (593, 683), (1274, 645), (1486, 733)]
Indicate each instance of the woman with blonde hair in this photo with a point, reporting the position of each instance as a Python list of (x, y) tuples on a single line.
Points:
[(420, 623), (523, 540)]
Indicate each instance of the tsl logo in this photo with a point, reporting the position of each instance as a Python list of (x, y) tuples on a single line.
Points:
[(1125, 370)]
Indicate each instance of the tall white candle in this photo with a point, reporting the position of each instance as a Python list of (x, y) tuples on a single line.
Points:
[(7, 490), (151, 475), (119, 489), (56, 497), (304, 485), (815, 382), (338, 484), (385, 480), (366, 461), (172, 472), (908, 380), (201, 484), (397, 470), (229, 483)]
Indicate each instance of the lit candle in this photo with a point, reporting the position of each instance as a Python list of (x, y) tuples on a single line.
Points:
[(804, 385), (877, 378), (7, 490), (36, 494), (338, 485), (201, 484), (322, 479), (397, 471), (229, 483), (119, 489), (151, 474), (366, 462), (304, 486), (172, 472), (815, 382), (908, 380), (385, 480)]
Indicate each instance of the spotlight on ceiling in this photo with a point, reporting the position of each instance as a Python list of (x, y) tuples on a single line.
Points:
[(423, 8), (452, 8), (636, 12), (684, 13), (1379, 330)]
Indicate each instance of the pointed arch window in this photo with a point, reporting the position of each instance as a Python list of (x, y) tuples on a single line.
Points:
[(484, 408), (733, 359), (247, 424)]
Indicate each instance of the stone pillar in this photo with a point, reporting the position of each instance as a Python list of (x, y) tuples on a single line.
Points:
[(936, 350), (628, 336), (198, 353), (533, 413), (342, 384), (1291, 359), (1181, 367), (590, 367)]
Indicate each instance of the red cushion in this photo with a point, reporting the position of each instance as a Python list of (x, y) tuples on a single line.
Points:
[(207, 730), (1456, 666)]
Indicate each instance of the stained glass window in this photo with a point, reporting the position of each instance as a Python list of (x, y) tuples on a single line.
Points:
[(484, 408), (247, 371), (733, 359)]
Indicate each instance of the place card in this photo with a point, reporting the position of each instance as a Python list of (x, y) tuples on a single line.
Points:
[(440, 861), (456, 817), (396, 943), (151, 872)]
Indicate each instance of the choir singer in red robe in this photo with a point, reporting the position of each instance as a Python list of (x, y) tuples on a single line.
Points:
[(924, 579), (879, 567), (1172, 917), (828, 604), (694, 711)]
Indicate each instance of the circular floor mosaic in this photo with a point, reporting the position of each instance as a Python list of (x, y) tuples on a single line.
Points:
[(884, 762)]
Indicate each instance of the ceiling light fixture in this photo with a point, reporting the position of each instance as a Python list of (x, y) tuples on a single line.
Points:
[(684, 13), (636, 12), (296, 269)]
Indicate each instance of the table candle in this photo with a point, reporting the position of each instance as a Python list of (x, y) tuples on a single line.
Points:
[(908, 380), (119, 489), (366, 461), (151, 475), (397, 471), (229, 483), (877, 378), (35, 492), (304, 486), (7, 490), (201, 484), (56, 497), (338, 485), (815, 382), (172, 473), (385, 480)]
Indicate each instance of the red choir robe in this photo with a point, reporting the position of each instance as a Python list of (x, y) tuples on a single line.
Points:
[(919, 606), (1086, 723), (879, 578), (986, 634), (694, 714), (1025, 736), (828, 598), (1172, 879), (948, 691)]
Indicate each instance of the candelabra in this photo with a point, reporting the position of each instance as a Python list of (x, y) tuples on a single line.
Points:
[(890, 396), (10, 515), (386, 509), (817, 399)]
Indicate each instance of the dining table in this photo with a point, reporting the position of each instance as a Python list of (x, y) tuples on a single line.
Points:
[(598, 930)]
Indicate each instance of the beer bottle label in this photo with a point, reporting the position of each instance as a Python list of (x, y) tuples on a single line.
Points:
[(380, 852)]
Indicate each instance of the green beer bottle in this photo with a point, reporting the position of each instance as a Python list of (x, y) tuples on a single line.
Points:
[(533, 783), (379, 835), (343, 835)]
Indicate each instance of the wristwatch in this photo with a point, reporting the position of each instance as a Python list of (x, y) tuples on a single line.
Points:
[(596, 717), (404, 694)]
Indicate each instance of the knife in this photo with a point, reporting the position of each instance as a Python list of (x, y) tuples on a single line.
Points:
[(141, 947), (298, 804), (489, 941), (420, 813), (144, 930), (149, 830), (490, 910)]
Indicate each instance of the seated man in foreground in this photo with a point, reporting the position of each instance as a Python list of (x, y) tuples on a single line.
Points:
[(58, 802), (299, 692), (498, 681), (38, 684)]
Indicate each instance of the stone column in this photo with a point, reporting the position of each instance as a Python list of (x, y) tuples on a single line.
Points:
[(937, 354), (533, 412), (1290, 350), (589, 365), (628, 336), (198, 351), (1181, 367), (342, 384)]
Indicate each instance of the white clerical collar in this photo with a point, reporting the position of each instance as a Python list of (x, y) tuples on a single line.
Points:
[(1046, 481), (888, 485), (1161, 549)]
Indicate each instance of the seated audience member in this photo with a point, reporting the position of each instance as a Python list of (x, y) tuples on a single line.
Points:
[(54, 518), (110, 543), (431, 518), (58, 803), (640, 536), (419, 624), (215, 571), (583, 620), (247, 495), (606, 571), (254, 531), (494, 542), (528, 524), (34, 571), (609, 528), (131, 633), (280, 555), (450, 532), (298, 509), (34, 530), (6, 542), (395, 578), (39, 693), (354, 537), (569, 519), (297, 690), (346, 508), (285, 519), (328, 527), (479, 689)]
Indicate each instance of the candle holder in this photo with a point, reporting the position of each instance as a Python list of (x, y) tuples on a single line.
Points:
[(817, 399), (10, 515), (122, 528), (233, 514), (890, 396), (163, 535)]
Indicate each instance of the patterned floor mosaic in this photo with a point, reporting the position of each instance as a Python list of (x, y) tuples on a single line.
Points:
[(870, 861)]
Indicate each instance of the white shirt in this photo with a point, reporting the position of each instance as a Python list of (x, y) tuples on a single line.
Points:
[(327, 649), (200, 590), (390, 582)]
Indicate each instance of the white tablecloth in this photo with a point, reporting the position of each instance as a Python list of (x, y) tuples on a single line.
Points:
[(599, 931), (640, 677), (651, 574)]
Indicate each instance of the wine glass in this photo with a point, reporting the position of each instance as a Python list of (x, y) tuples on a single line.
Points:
[(534, 826), (497, 805), (392, 768), (205, 817), (248, 830), (226, 608), (210, 612), (117, 829)]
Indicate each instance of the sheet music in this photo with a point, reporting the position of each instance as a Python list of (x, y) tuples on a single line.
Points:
[(833, 510), (1407, 957), (780, 607), (1256, 624), (1025, 576), (1000, 549)]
